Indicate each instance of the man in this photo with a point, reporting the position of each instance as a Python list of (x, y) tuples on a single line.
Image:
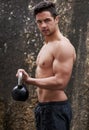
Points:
[(54, 67)]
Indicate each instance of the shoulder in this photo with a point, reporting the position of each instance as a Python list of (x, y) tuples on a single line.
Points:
[(68, 50), (66, 46), (65, 50)]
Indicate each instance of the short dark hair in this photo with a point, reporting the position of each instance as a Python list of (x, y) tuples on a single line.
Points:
[(45, 6)]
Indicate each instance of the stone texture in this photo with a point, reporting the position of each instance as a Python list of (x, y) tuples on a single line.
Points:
[(79, 35), (20, 42)]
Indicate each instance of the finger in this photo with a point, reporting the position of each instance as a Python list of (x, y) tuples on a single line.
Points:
[(18, 71)]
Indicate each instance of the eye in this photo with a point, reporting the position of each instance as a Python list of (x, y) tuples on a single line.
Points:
[(38, 21), (47, 20)]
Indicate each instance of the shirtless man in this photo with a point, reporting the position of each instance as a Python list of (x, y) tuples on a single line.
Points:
[(54, 67)]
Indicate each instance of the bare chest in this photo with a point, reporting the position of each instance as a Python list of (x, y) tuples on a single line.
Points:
[(45, 57)]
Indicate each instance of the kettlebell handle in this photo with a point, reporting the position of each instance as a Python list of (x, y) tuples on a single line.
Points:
[(20, 77)]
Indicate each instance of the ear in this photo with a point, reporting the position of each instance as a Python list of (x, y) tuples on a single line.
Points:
[(57, 19)]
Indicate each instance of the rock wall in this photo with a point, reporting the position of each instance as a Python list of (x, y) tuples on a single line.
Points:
[(20, 41), (79, 37)]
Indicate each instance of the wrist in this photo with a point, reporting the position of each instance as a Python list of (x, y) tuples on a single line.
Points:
[(28, 80)]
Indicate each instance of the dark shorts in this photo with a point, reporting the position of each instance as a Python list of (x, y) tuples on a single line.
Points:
[(53, 115)]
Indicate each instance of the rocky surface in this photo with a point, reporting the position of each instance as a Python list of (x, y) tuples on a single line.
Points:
[(20, 42)]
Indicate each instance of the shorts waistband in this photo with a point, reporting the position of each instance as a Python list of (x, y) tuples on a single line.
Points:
[(53, 103)]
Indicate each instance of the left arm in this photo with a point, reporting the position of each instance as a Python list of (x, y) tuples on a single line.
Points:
[(62, 72), (62, 69)]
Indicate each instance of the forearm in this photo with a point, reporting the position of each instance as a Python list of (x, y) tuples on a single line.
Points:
[(46, 83)]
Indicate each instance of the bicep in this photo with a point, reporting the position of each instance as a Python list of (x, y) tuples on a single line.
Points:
[(63, 69)]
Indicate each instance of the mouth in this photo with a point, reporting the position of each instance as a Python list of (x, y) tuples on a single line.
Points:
[(45, 31)]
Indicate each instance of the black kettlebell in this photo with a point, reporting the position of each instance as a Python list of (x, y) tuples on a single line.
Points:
[(20, 92)]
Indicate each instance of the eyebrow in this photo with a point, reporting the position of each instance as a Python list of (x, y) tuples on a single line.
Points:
[(44, 19)]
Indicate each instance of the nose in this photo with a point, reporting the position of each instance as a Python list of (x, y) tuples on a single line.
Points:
[(43, 25)]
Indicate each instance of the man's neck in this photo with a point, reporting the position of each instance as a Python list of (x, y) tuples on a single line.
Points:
[(55, 37)]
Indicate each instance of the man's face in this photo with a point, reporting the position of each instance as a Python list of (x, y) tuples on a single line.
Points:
[(46, 23)]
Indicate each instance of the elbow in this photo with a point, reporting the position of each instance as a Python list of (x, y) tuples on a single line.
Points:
[(61, 84)]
